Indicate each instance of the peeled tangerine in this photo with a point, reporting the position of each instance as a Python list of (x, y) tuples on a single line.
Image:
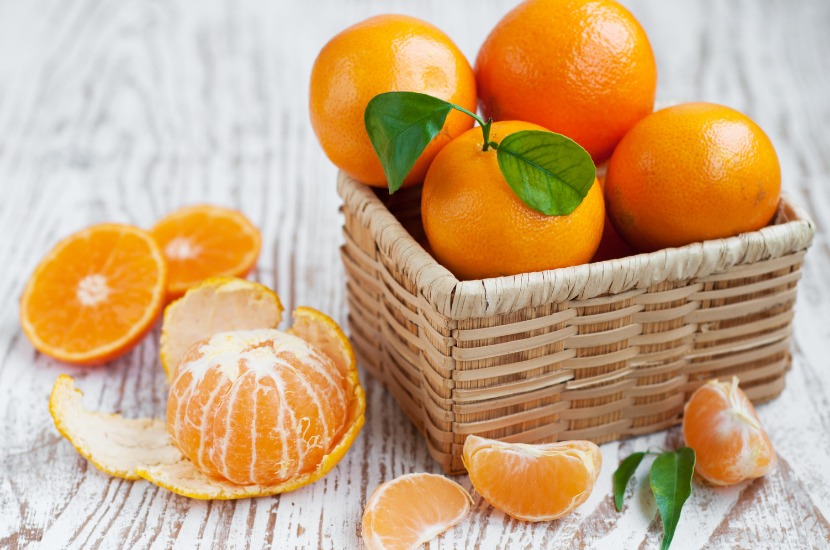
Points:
[(406, 512), (250, 412), (730, 444), (532, 482)]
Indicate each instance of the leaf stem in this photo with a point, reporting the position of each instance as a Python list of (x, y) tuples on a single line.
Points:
[(485, 126)]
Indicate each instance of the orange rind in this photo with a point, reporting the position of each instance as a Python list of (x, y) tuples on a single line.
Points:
[(218, 304), (142, 448)]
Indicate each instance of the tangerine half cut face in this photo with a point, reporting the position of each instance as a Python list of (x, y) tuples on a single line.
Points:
[(256, 406)]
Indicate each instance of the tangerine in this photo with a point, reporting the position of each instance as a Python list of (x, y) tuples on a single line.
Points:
[(203, 241), (95, 295), (581, 68), (478, 227), (412, 509), (690, 173), (721, 425), (385, 53), (532, 482), (256, 406)]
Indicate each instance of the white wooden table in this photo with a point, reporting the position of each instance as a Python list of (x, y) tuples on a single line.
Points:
[(124, 110)]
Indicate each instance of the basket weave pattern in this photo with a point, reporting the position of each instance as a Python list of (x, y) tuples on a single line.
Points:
[(600, 352)]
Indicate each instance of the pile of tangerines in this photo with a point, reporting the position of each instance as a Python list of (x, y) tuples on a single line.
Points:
[(393, 102), (582, 69), (564, 85)]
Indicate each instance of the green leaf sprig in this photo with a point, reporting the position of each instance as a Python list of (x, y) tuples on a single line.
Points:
[(671, 483), (549, 172)]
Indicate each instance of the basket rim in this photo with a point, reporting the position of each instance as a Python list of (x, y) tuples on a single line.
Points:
[(792, 231)]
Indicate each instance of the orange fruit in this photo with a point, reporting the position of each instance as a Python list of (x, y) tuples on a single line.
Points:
[(410, 510), (203, 241), (581, 68), (385, 53), (478, 227), (532, 482), (135, 448), (95, 295), (256, 406), (721, 425), (690, 173), (611, 247)]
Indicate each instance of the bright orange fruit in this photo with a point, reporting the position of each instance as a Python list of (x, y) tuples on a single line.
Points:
[(94, 296), (204, 241), (690, 173), (532, 482), (478, 227), (581, 68), (406, 512), (385, 53), (257, 406), (721, 425)]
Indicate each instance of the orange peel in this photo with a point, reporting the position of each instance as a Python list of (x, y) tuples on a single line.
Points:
[(217, 304), (142, 448)]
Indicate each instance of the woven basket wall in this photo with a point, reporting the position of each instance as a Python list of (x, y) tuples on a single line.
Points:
[(600, 351)]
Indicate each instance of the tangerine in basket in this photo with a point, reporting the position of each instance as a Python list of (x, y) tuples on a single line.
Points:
[(412, 509), (720, 424), (256, 406), (382, 54), (478, 227), (690, 173), (581, 68), (95, 295), (532, 482), (203, 241)]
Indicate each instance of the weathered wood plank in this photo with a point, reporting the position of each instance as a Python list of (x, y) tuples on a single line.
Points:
[(124, 111)]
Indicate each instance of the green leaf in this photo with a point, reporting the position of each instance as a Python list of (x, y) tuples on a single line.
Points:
[(549, 172), (400, 126), (671, 481), (623, 474)]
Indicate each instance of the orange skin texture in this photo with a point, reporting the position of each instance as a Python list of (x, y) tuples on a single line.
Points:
[(385, 53), (479, 228), (730, 444), (581, 68), (691, 173)]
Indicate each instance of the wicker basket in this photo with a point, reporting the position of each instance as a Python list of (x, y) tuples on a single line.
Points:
[(600, 351)]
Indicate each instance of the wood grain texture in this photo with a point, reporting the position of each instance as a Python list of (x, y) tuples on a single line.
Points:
[(124, 110)]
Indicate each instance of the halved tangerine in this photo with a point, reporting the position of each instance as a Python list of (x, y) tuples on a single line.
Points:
[(532, 482), (202, 241), (409, 510), (95, 295), (720, 424)]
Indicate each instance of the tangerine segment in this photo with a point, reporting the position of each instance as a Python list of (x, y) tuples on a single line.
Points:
[(218, 304), (406, 512), (95, 295), (532, 482), (720, 424), (202, 241), (142, 447)]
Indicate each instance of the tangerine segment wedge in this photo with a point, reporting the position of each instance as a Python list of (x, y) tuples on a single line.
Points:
[(720, 424), (532, 482), (412, 509), (218, 304), (95, 295), (142, 448), (203, 241)]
